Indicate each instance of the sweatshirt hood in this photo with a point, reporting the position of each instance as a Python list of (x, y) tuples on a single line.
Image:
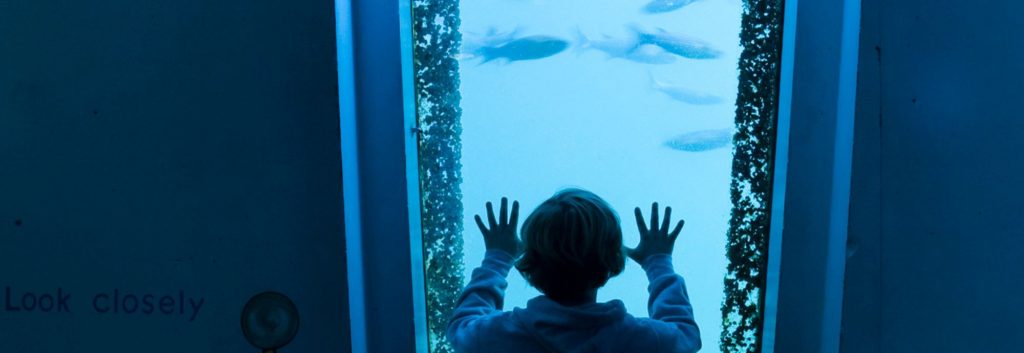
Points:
[(568, 328)]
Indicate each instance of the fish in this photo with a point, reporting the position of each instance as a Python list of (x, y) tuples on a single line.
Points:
[(660, 6), (684, 94), (684, 46), (525, 48), (625, 48), (701, 141), (473, 42), (612, 46), (650, 54)]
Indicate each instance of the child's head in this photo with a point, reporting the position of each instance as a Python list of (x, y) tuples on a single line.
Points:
[(573, 244)]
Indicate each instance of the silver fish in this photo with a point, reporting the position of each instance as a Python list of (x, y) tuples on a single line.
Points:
[(684, 46), (659, 6), (473, 42), (526, 48), (650, 54), (684, 94), (628, 48), (701, 141)]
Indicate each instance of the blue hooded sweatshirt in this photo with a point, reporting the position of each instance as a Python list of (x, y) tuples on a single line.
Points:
[(544, 326)]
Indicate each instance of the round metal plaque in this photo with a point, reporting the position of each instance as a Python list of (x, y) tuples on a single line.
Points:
[(270, 320)]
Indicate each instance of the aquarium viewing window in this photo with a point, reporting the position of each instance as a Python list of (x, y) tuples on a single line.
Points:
[(667, 101)]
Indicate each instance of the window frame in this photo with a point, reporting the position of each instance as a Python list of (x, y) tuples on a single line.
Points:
[(380, 181)]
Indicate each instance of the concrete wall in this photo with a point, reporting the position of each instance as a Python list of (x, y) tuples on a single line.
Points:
[(182, 149), (936, 233)]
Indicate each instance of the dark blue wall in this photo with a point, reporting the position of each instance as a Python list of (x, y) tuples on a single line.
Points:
[(936, 232), (168, 148)]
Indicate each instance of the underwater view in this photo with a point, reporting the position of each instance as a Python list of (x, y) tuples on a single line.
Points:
[(671, 101)]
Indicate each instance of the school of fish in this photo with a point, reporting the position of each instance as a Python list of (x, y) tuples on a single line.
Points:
[(641, 45)]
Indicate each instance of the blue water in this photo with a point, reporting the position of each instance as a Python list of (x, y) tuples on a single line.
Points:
[(620, 126)]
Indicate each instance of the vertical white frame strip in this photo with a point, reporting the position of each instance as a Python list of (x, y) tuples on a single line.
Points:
[(419, 298), (781, 166), (350, 177), (835, 269)]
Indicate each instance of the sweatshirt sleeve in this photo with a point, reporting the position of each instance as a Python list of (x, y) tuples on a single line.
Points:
[(670, 304), (484, 295)]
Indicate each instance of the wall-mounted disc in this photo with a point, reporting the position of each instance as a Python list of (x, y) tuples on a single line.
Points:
[(270, 320)]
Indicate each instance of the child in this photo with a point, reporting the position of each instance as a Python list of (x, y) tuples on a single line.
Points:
[(573, 245)]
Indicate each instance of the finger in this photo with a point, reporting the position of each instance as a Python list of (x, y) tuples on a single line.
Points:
[(654, 216), (665, 223), (490, 215), (679, 228), (640, 222), (480, 223), (503, 217), (515, 214)]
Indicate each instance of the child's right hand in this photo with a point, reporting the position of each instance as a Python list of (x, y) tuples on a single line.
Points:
[(656, 239)]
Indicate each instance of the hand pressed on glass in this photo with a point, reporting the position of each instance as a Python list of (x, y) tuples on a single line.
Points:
[(501, 235), (656, 239)]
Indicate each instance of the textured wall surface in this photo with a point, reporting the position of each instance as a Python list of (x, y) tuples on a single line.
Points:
[(185, 152), (935, 229)]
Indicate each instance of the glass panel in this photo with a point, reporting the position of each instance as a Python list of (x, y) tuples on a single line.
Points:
[(671, 101)]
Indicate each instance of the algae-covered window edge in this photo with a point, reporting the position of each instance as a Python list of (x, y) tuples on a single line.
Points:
[(757, 107), (437, 39)]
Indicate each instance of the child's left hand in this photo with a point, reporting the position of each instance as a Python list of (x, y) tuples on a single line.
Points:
[(501, 235)]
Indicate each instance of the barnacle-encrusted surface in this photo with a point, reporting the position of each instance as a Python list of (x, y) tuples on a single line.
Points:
[(751, 188), (437, 41)]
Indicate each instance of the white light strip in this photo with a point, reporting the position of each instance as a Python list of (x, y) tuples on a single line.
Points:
[(350, 177), (779, 177), (846, 101), (419, 299)]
